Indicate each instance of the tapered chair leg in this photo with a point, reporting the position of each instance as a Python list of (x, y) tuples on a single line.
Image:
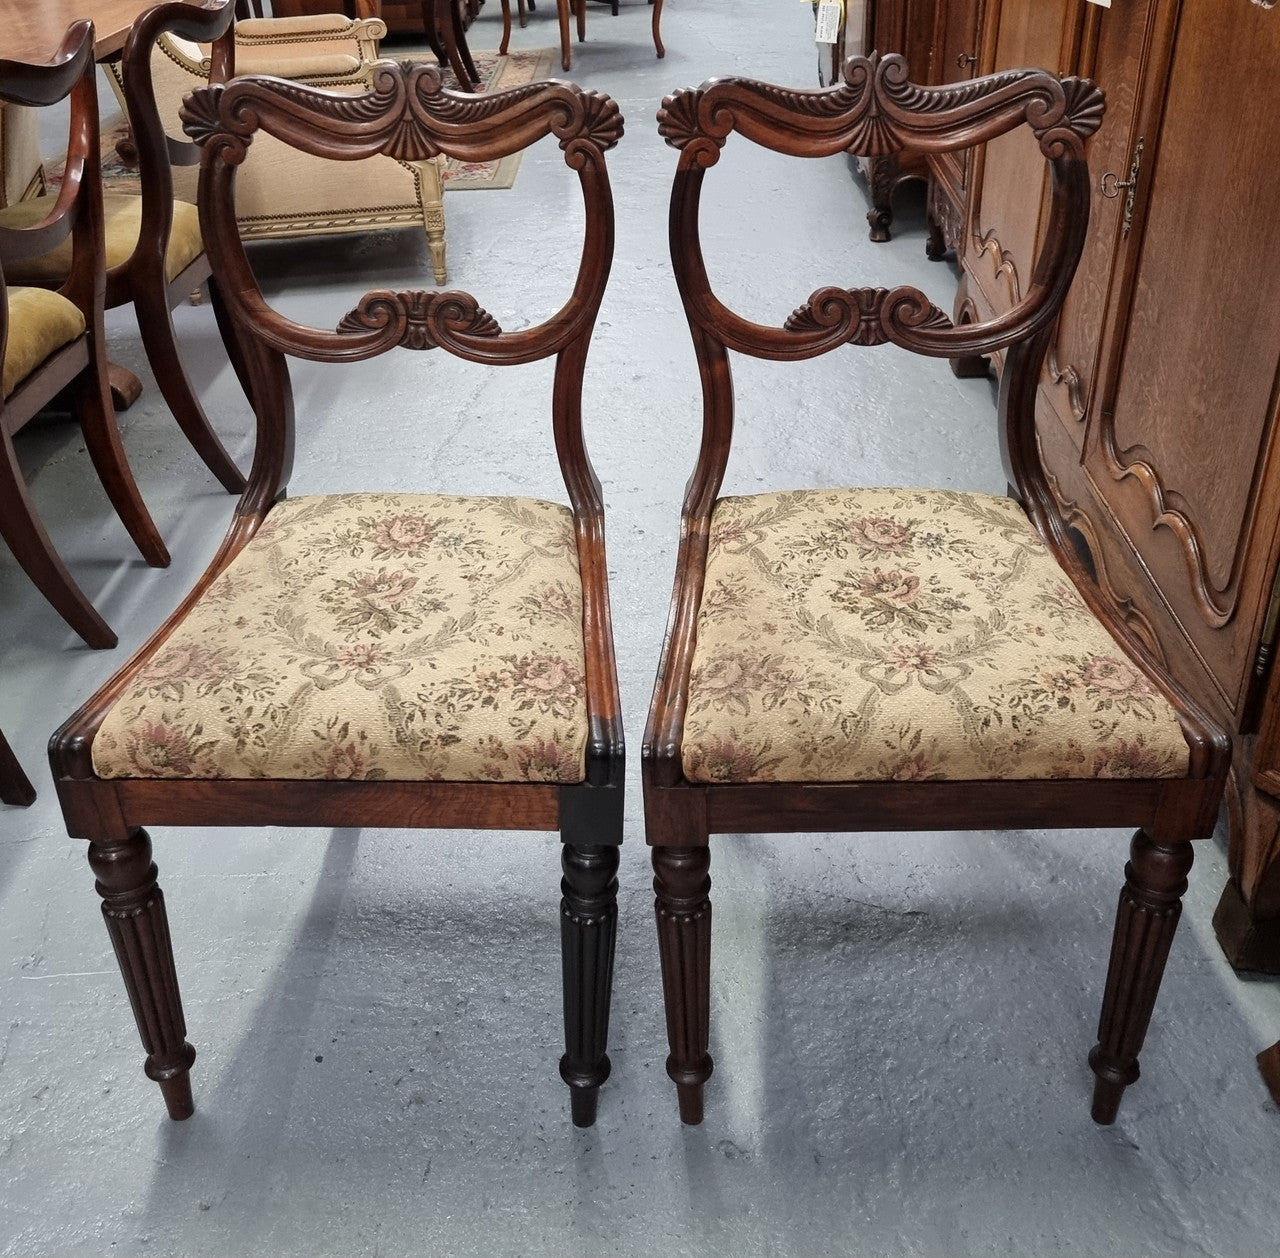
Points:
[(106, 450), (133, 906), (1150, 905), (588, 934), (658, 45), (15, 786), (580, 12), (32, 548), (506, 26), (681, 885), (155, 324)]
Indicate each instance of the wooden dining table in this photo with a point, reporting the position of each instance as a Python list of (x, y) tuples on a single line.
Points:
[(31, 30)]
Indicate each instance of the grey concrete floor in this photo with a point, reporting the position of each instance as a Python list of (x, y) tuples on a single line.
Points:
[(900, 1021)]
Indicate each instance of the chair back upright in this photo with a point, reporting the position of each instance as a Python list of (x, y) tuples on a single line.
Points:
[(77, 212), (158, 151)]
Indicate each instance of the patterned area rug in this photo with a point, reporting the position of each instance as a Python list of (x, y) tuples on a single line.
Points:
[(513, 70)]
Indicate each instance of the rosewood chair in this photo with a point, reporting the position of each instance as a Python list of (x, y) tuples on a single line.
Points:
[(903, 659), (419, 660), (155, 255), (51, 340)]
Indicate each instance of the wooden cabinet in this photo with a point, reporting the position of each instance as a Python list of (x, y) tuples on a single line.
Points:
[(1158, 406)]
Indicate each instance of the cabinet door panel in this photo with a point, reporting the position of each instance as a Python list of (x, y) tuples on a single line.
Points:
[(1183, 432), (1006, 223)]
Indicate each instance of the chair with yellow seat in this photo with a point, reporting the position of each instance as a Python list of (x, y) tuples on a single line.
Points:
[(846, 659), (52, 339), (154, 252)]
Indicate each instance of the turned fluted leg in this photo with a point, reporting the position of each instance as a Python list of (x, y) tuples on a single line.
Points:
[(1150, 904), (681, 884), (133, 906), (588, 932)]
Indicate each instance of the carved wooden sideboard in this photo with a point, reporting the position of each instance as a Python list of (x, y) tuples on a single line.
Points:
[(1158, 407)]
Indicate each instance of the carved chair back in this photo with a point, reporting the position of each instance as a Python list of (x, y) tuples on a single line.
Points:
[(407, 115)]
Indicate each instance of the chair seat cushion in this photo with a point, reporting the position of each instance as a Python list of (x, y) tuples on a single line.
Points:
[(122, 218), (40, 322), (373, 636), (297, 63), (892, 634)]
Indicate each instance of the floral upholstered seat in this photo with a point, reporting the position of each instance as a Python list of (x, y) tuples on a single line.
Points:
[(893, 634), (373, 636)]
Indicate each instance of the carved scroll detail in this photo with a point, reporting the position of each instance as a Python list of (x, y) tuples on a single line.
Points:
[(866, 316), (418, 319), (877, 111)]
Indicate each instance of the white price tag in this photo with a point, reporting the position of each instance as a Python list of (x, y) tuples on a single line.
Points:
[(830, 13), (1106, 4)]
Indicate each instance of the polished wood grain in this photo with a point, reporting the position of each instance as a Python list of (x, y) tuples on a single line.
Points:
[(1159, 401), (877, 110), (407, 114)]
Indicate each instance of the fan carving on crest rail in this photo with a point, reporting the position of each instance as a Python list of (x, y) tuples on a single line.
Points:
[(877, 110), (867, 316), (419, 319)]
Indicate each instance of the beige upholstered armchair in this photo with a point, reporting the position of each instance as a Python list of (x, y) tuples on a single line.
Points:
[(284, 193)]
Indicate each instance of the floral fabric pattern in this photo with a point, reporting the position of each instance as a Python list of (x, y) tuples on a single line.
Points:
[(897, 634), (373, 636)]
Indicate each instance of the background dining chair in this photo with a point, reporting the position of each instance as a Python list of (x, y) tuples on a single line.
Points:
[(578, 10), (52, 340), (284, 194), (380, 659), (155, 255), (903, 659)]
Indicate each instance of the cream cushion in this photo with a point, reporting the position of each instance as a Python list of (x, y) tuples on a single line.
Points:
[(122, 217), (373, 636), (886, 634), (40, 322)]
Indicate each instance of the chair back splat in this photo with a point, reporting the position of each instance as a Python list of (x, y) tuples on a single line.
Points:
[(391, 659), (898, 659)]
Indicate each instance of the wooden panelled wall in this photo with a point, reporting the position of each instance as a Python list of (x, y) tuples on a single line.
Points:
[(1158, 407)]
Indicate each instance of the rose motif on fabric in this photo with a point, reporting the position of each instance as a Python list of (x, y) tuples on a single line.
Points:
[(403, 533), (545, 760), (902, 587), (183, 664), (880, 533), (1113, 676), (546, 682), (372, 601), (1126, 760), (160, 750), (730, 760)]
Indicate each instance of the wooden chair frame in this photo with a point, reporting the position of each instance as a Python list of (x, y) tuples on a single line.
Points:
[(80, 365), (406, 114), (876, 111), (141, 279)]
